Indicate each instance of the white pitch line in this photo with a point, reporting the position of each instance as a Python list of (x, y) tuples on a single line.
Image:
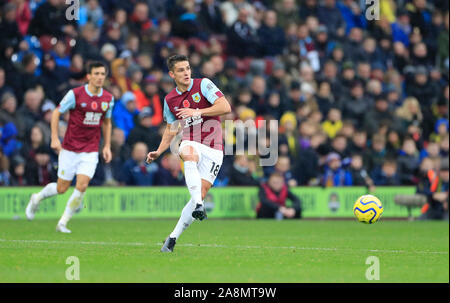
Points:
[(225, 246)]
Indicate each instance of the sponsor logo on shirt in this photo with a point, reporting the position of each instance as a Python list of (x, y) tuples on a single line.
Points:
[(83, 104), (196, 97)]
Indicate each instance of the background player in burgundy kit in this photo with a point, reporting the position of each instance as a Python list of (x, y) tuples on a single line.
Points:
[(90, 108), (197, 103)]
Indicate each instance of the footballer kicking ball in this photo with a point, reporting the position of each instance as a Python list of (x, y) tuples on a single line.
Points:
[(368, 209)]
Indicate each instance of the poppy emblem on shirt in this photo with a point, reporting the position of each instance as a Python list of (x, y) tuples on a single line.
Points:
[(186, 103), (196, 97), (94, 105), (104, 106)]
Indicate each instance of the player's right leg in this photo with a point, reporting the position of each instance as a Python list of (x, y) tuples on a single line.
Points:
[(194, 184), (48, 191), (66, 172)]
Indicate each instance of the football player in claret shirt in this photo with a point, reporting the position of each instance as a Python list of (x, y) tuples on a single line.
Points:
[(196, 105), (90, 108)]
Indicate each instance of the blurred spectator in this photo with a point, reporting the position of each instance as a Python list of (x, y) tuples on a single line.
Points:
[(149, 97), (358, 144), (283, 167), (211, 17), (271, 36), (4, 88), (40, 170), (44, 124), (443, 55), (92, 12), (5, 177), (339, 145), (135, 171), (242, 39), (27, 76), (185, 22), (357, 105), (333, 124), (435, 185), (409, 112), (374, 157), (9, 27), (124, 113), (144, 131), (18, 171), (393, 143), (273, 195), (387, 174), (309, 8), (50, 19), (87, 44), (35, 140), (401, 29), (352, 15), (380, 113), (330, 15), (287, 12), (360, 176), (53, 78), (441, 129), (169, 171), (334, 174), (8, 107), (408, 162), (240, 173), (29, 113)]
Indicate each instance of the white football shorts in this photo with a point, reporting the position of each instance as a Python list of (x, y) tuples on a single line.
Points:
[(209, 160), (72, 163)]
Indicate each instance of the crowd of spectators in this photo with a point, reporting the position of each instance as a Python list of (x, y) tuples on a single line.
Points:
[(358, 101)]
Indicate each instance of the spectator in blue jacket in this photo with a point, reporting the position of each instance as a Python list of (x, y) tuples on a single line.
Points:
[(352, 14), (135, 171), (335, 174), (387, 175), (125, 112), (402, 28)]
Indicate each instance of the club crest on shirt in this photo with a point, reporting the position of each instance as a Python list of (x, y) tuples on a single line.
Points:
[(104, 106), (186, 103), (196, 97), (94, 105)]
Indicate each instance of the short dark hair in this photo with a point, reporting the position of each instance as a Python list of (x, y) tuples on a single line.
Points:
[(174, 60), (95, 64)]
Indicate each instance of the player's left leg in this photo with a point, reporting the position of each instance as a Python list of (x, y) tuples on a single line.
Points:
[(185, 220), (74, 202), (85, 171)]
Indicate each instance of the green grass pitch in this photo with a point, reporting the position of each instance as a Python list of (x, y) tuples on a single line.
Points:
[(127, 250)]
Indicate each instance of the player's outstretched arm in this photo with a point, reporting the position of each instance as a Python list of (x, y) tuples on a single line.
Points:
[(168, 135), (55, 142)]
